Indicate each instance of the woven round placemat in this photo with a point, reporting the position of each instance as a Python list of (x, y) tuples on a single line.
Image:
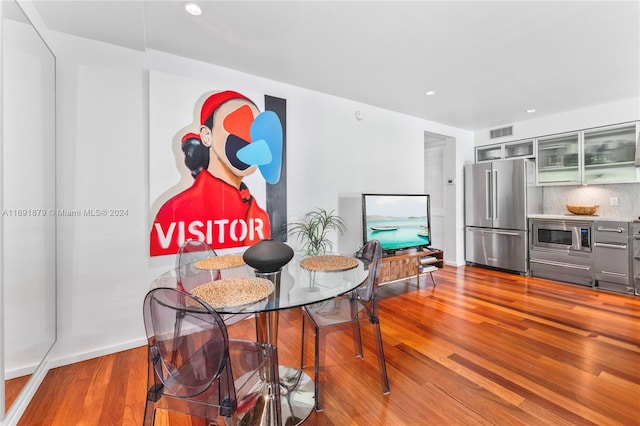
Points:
[(234, 291), (220, 262), (328, 263)]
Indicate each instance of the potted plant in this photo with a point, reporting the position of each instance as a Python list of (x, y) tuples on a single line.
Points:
[(313, 228)]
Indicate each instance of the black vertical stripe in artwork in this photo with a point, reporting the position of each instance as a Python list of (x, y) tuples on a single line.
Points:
[(277, 193)]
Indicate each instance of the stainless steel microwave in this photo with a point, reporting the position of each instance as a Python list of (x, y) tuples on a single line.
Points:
[(560, 234)]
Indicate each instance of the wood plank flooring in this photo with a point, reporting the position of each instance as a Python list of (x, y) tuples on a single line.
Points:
[(481, 348)]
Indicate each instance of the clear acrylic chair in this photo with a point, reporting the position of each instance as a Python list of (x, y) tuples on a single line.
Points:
[(346, 313), (190, 277), (195, 368)]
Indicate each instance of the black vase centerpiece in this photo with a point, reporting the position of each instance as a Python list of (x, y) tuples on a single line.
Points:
[(268, 256)]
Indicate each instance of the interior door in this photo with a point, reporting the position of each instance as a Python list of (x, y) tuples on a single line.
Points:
[(434, 186)]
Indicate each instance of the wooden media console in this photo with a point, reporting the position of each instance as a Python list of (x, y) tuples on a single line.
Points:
[(405, 265)]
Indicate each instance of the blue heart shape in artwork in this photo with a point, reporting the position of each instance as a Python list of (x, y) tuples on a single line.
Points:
[(257, 153), (267, 129)]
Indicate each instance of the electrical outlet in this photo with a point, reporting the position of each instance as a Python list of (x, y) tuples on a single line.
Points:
[(613, 201)]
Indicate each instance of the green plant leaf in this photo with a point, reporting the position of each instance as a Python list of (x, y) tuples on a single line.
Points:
[(313, 228)]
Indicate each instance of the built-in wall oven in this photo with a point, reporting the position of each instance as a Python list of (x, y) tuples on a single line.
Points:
[(561, 250), (562, 235)]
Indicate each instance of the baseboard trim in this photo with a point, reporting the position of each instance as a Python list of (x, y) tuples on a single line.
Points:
[(107, 350), (22, 402)]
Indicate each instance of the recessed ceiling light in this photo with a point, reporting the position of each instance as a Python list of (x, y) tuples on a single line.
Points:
[(531, 110), (430, 92), (192, 9)]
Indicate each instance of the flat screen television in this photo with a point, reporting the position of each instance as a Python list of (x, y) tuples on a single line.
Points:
[(398, 221)]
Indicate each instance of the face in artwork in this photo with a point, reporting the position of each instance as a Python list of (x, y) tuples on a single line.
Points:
[(229, 134)]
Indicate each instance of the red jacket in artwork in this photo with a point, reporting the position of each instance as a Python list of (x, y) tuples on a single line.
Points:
[(212, 211)]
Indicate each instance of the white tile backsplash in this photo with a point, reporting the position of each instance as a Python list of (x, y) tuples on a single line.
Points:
[(555, 198)]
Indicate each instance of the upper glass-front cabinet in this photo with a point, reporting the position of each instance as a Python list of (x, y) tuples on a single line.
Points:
[(598, 155), (488, 153), (609, 154), (518, 149), (509, 150), (558, 159)]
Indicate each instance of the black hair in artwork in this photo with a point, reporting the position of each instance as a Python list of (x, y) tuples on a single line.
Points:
[(196, 155)]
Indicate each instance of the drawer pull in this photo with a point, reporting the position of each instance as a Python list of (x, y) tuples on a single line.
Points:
[(613, 246), (615, 274), (562, 264), (605, 229)]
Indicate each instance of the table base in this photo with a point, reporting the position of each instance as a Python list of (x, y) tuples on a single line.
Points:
[(296, 398), (298, 403)]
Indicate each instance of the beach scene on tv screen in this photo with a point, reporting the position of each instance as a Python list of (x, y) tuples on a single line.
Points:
[(397, 221)]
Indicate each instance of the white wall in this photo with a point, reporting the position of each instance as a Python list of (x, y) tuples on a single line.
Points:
[(104, 270)]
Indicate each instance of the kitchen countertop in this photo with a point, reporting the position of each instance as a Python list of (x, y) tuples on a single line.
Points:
[(570, 216)]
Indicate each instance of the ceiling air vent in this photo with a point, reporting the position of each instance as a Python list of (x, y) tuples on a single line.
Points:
[(498, 133)]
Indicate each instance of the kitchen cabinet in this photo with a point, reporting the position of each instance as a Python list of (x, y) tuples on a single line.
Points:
[(609, 154), (612, 256), (591, 156), (558, 159), (488, 153), (598, 155), (584, 250), (505, 151), (519, 149)]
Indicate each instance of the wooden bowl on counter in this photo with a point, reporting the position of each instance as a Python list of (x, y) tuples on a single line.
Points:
[(582, 210)]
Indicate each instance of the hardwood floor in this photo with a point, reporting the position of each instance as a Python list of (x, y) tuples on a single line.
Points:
[(482, 347)]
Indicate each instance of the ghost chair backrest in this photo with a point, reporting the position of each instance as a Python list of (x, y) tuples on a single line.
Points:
[(189, 275), (371, 255), (188, 352), (346, 313), (194, 368)]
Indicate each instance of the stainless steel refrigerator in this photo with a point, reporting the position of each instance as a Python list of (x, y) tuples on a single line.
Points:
[(499, 195)]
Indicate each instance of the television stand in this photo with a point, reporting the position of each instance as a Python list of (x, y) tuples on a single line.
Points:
[(408, 264)]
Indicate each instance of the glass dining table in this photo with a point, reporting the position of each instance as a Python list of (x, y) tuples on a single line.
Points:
[(294, 286)]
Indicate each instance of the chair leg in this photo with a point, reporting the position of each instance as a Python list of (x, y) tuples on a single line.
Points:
[(357, 339), (355, 326), (177, 329), (149, 413), (302, 342), (318, 360), (432, 279), (381, 362)]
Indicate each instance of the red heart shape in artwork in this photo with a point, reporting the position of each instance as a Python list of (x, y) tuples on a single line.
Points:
[(238, 122)]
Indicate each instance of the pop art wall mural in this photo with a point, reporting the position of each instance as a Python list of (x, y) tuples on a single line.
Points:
[(217, 165)]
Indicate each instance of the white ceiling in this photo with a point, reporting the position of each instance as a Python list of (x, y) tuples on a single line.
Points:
[(487, 61)]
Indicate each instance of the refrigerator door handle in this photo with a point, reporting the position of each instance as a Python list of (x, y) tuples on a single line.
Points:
[(511, 234), (487, 194), (494, 232), (495, 194)]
